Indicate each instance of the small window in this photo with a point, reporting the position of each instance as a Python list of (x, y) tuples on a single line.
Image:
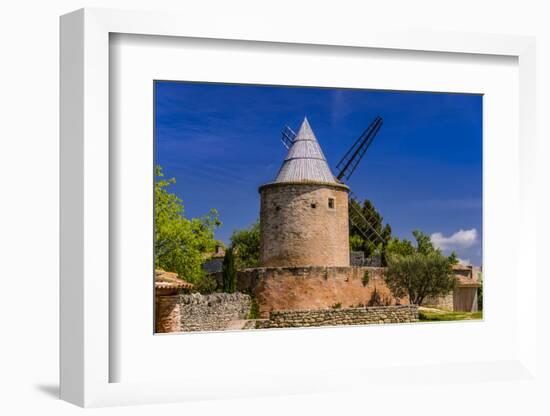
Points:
[(331, 203), (313, 205)]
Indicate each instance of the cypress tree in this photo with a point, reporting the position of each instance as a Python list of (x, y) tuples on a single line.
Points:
[(229, 272)]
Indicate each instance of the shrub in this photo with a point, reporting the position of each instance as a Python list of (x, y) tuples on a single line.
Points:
[(206, 285), (375, 299), (366, 278), (253, 313), (336, 305)]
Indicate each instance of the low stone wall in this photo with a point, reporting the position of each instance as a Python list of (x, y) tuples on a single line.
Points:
[(198, 312), (440, 302), (310, 288), (212, 312), (334, 317)]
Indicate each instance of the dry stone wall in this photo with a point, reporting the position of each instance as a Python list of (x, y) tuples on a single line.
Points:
[(212, 312), (336, 317), (198, 312), (441, 302)]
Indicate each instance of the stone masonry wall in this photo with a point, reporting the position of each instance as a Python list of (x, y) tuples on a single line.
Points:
[(441, 302), (306, 288), (298, 227), (211, 312), (167, 310), (348, 316)]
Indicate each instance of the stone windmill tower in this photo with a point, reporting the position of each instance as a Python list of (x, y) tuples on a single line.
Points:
[(304, 212)]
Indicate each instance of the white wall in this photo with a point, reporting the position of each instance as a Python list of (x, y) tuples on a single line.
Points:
[(29, 208)]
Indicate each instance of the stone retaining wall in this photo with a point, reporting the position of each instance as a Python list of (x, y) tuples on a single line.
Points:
[(198, 312), (307, 288), (212, 312), (334, 317)]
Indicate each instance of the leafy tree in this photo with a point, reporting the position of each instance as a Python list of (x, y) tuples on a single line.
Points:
[(418, 271), (424, 245), (419, 276), (180, 243), (246, 245), (399, 247), (374, 221), (229, 272)]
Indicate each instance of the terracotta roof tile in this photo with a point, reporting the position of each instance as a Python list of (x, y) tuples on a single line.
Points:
[(169, 280)]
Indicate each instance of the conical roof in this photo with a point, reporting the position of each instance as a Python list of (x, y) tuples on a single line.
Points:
[(305, 160)]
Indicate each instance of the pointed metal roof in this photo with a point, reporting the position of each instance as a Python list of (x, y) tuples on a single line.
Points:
[(305, 160)]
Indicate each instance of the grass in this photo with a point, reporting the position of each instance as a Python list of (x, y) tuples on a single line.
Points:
[(428, 316)]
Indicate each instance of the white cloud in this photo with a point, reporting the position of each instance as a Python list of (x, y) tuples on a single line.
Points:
[(460, 239), (464, 262)]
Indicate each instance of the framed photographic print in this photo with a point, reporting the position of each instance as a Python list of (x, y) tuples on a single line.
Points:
[(305, 204), (280, 239)]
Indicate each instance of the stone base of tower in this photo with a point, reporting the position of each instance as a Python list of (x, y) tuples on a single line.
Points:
[(310, 288)]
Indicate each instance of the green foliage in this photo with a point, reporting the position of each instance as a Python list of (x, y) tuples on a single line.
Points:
[(420, 270), (480, 293), (246, 243), (399, 247), (336, 305), (229, 272), (366, 278), (206, 285), (419, 275), (453, 258), (180, 243), (424, 246), (254, 311), (424, 243), (374, 221), (356, 242)]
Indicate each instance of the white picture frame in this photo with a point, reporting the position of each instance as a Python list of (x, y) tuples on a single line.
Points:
[(86, 356)]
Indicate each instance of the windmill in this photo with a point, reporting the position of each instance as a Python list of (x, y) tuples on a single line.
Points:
[(346, 167)]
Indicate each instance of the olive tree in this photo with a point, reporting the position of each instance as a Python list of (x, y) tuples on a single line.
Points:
[(420, 275)]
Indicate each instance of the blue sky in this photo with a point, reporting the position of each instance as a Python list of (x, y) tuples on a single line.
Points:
[(423, 170)]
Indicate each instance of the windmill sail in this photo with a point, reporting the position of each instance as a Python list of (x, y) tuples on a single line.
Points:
[(360, 220), (288, 137)]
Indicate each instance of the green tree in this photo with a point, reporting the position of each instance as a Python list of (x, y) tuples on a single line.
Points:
[(400, 247), (246, 244), (229, 272), (419, 276), (418, 271), (372, 222), (180, 243), (424, 245)]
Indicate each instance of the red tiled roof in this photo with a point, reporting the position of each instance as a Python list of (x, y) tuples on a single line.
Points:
[(169, 280), (465, 282)]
